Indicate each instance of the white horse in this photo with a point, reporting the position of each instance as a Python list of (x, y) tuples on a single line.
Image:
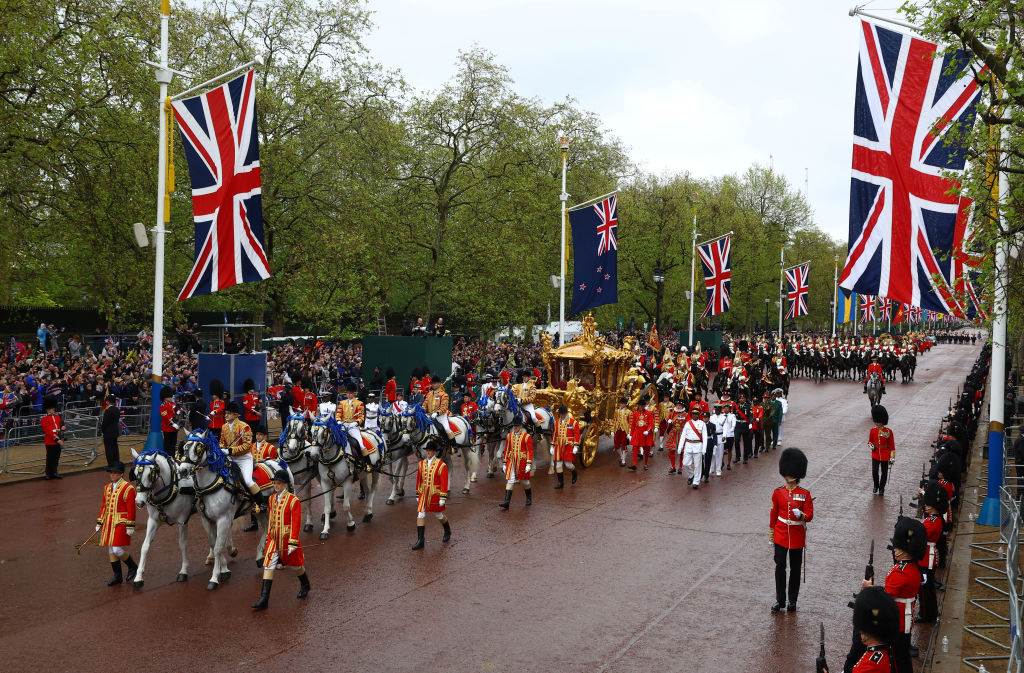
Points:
[(292, 447), (339, 466), (504, 405), (399, 449), (221, 497), (421, 429), (166, 499)]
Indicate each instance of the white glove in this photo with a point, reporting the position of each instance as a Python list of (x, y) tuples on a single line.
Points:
[(797, 513), (529, 468), (575, 450), (130, 531), (433, 415), (441, 502), (551, 450), (97, 528), (642, 451), (646, 433)]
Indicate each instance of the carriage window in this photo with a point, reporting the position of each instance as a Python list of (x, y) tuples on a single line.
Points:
[(586, 376)]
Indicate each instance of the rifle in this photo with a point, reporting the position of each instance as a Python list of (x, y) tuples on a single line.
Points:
[(820, 666), (901, 504), (869, 569), (920, 496)]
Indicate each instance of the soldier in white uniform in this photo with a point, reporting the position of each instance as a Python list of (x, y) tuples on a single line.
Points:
[(691, 446), (718, 420), (371, 411), (399, 405)]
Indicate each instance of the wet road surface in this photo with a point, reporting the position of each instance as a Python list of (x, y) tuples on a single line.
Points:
[(625, 571)]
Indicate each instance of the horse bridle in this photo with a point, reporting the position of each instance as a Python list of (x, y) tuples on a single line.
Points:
[(155, 498)]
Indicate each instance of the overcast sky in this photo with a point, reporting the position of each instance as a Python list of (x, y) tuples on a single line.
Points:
[(706, 87)]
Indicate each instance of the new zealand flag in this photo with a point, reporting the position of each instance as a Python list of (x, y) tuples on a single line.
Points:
[(595, 256)]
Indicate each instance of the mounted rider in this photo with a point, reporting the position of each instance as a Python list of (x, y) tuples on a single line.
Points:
[(874, 368), (236, 441), (351, 414), (435, 403)]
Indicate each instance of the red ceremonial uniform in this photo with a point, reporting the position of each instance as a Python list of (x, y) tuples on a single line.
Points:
[(391, 390), (263, 451), (216, 413), (117, 514), (284, 521), (874, 368), (350, 411), (948, 485), (757, 416), (640, 422), (297, 395), (51, 428), (250, 402), (505, 377), (789, 531), (933, 526), (425, 386), (566, 436), (431, 485), (903, 583), (882, 444), (699, 406), (306, 402), (167, 417), (725, 364), (468, 409), (675, 428), (875, 660), (518, 452)]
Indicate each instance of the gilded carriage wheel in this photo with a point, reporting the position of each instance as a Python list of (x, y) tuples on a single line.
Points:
[(651, 390), (588, 445)]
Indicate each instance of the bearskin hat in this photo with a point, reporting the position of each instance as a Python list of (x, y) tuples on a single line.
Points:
[(723, 351), (875, 613), (426, 370), (249, 385), (417, 373), (743, 345), (166, 392), (307, 382), (49, 403), (879, 414), (232, 408), (793, 463), (910, 536), (935, 496), (216, 388), (949, 465), (389, 372)]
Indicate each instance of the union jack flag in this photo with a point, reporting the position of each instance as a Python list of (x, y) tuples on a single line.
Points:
[(867, 308), (606, 226), (796, 290), (884, 309), (219, 132), (714, 256), (902, 209)]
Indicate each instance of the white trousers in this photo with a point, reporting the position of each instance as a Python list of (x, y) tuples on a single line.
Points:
[(275, 563), (443, 420), (423, 515), (567, 464), (716, 458), (529, 409), (692, 462), (355, 434), (244, 463), (116, 551)]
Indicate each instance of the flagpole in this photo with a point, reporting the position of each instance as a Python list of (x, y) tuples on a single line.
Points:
[(693, 270), (782, 273), (835, 296), (563, 197), (163, 78)]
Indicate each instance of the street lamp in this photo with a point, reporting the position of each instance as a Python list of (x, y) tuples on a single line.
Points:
[(767, 303), (659, 282)]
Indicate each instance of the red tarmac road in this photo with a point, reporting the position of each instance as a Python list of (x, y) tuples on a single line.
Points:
[(626, 571)]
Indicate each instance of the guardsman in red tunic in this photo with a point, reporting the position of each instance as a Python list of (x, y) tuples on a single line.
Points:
[(53, 437), (936, 502), (308, 403), (431, 493), (565, 444), (792, 508), (116, 522), (641, 432), (216, 407), (909, 543), (883, 448), (621, 430), (251, 404), (518, 457), (283, 548), (874, 368), (876, 624), (391, 387), (168, 422)]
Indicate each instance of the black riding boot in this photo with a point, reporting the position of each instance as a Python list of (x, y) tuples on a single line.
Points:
[(529, 497), (561, 481), (132, 569), (261, 604), (508, 499), (419, 537), (303, 585), (116, 579), (447, 531), (573, 480), (252, 524)]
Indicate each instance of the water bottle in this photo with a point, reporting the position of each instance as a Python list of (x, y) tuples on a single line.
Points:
[(945, 644)]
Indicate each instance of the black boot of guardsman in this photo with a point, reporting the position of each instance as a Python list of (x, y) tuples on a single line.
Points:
[(261, 604), (508, 499), (419, 537), (529, 496), (116, 579)]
